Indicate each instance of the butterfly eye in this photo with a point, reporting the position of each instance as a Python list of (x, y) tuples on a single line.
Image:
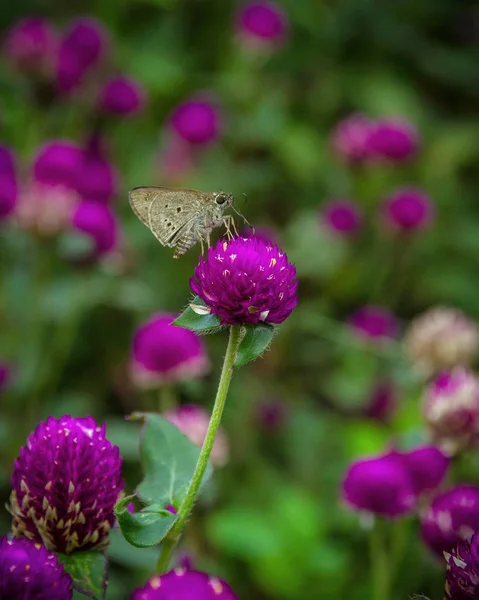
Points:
[(220, 199)]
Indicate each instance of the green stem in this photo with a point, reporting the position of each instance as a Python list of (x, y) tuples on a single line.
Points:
[(379, 558), (166, 398), (169, 543)]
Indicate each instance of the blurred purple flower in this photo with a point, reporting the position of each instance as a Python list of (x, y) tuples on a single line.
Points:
[(81, 48), (175, 160), (122, 96), (451, 409), (246, 280), (97, 177), (197, 121), (452, 517), (163, 353), (8, 182), (380, 485), (184, 584), (462, 571), (29, 571), (408, 209), (342, 217), (193, 420), (58, 162), (350, 140), (271, 414), (394, 140), (382, 403), (262, 24), (31, 46), (375, 323), (99, 222), (5, 376), (427, 467), (65, 483)]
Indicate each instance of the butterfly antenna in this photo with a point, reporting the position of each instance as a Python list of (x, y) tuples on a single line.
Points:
[(240, 214)]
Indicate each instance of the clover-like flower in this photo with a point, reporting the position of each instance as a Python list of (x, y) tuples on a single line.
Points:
[(263, 24), (182, 583), (65, 483), (29, 571), (462, 571), (122, 96), (246, 280), (408, 210)]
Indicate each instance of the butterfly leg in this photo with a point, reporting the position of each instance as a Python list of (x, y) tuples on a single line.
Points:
[(229, 223)]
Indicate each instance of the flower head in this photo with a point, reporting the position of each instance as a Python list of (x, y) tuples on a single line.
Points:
[(382, 403), (342, 217), (441, 338), (246, 280), (8, 182), (408, 209), (375, 323), (97, 178), (197, 121), (31, 46), (393, 139), (193, 420), (262, 23), (122, 96), (451, 409), (163, 353), (99, 223), (427, 467), (5, 376), (58, 162), (452, 516), (29, 571), (380, 485), (350, 139), (462, 571), (65, 483), (184, 584)]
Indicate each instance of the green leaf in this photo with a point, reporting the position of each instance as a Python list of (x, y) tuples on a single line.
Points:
[(255, 341), (88, 571), (145, 528), (189, 319)]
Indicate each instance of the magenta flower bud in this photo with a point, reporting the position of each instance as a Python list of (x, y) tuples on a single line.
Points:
[(408, 209), (184, 584), (262, 24), (462, 571), (29, 571), (451, 409), (380, 485), (31, 46), (452, 517), (427, 467), (122, 96), (382, 403), (394, 140), (193, 420), (246, 280), (58, 162), (351, 139), (8, 182), (374, 323), (81, 49), (66, 481), (163, 353), (342, 217), (98, 222), (440, 339), (197, 121)]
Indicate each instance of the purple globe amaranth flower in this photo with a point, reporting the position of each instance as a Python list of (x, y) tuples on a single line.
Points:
[(8, 182), (29, 571), (246, 280), (440, 339), (394, 140), (193, 420), (382, 403), (451, 409), (122, 96), (58, 162), (427, 467), (408, 209), (197, 120), (462, 571), (342, 217), (65, 483), (81, 48), (184, 584), (452, 517), (97, 178), (351, 139), (163, 353), (98, 222), (375, 323), (31, 46), (380, 485), (262, 24)]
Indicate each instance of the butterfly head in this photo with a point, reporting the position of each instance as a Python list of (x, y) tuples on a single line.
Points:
[(223, 199)]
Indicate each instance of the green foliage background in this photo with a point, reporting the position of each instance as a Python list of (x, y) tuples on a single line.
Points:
[(271, 521)]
